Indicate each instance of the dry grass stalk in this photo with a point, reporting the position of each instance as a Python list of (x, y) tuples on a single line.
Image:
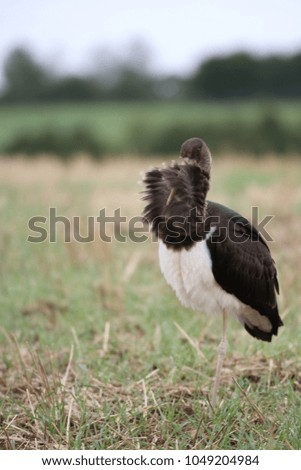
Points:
[(131, 266), (192, 342), (261, 417), (106, 337), (65, 377), (68, 421)]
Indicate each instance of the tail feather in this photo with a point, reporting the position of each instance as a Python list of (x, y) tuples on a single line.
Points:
[(257, 324)]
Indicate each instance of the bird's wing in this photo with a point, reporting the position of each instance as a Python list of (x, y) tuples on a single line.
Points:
[(242, 264), (172, 194)]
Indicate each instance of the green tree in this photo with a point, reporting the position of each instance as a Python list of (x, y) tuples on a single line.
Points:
[(222, 77), (72, 88), (25, 79)]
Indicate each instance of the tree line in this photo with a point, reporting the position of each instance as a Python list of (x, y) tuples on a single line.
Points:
[(235, 76)]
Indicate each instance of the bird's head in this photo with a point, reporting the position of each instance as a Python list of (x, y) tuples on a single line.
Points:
[(195, 151)]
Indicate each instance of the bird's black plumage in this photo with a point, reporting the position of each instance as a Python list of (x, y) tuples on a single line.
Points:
[(176, 201), (180, 216), (242, 265)]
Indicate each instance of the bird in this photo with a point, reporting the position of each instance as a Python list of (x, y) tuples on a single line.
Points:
[(213, 258)]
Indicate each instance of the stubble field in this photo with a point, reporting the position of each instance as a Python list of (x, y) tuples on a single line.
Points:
[(97, 353)]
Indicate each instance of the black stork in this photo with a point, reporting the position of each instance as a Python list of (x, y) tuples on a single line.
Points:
[(211, 256)]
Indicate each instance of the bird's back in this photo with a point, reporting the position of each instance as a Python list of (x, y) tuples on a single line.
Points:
[(243, 266)]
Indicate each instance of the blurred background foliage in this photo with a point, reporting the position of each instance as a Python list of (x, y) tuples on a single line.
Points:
[(239, 102)]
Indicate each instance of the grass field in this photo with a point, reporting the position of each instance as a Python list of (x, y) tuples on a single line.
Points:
[(97, 353), (126, 127)]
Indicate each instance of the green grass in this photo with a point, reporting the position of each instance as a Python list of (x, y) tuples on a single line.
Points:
[(92, 356), (125, 127)]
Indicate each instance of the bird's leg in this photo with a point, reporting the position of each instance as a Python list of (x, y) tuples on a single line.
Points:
[(221, 354)]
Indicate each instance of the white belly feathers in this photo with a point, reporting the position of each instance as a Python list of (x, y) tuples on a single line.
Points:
[(189, 273)]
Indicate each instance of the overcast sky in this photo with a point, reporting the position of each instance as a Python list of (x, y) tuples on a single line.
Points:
[(180, 33)]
